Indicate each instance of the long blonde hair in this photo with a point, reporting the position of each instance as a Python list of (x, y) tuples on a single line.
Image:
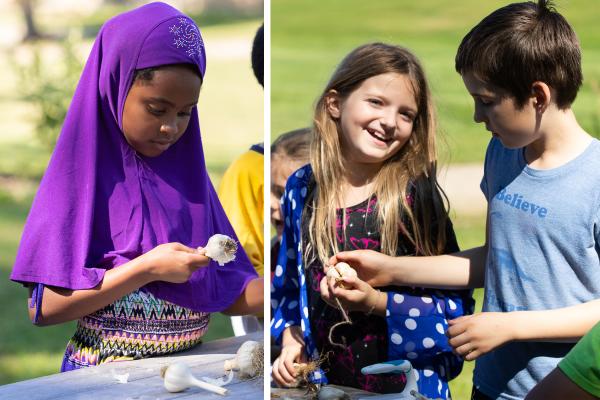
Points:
[(413, 166)]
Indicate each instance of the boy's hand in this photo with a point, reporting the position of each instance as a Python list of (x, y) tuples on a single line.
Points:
[(471, 336), (173, 262), (372, 267), (356, 296)]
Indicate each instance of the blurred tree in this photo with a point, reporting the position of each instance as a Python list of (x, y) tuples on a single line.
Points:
[(50, 89), (32, 33)]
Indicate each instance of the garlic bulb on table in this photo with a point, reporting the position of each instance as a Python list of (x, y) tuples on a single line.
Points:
[(249, 360), (178, 377), (221, 248)]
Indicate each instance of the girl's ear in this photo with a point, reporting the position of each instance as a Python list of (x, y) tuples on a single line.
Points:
[(332, 103), (541, 94)]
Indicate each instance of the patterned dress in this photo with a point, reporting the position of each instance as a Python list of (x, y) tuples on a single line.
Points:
[(134, 327), (414, 326)]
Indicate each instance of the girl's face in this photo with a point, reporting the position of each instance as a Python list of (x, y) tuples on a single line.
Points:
[(376, 119), (157, 112)]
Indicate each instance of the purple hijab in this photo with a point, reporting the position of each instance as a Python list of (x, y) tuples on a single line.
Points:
[(100, 204)]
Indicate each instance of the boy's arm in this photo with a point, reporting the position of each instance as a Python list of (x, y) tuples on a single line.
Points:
[(461, 270), (475, 335), (567, 324)]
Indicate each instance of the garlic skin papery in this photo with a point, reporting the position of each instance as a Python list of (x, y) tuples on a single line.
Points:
[(340, 270), (249, 360), (221, 248), (178, 377)]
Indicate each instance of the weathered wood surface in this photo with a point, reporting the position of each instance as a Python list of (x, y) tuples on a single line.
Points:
[(144, 381), (297, 394)]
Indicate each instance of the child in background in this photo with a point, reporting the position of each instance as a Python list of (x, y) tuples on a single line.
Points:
[(113, 233), (241, 189), (540, 265), (370, 183), (289, 152), (242, 197)]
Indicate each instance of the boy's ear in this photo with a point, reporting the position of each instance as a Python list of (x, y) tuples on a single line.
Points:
[(541, 94), (332, 103)]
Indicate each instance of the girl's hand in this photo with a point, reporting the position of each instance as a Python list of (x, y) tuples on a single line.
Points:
[(173, 262), (292, 351), (373, 267), (471, 336), (356, 296)]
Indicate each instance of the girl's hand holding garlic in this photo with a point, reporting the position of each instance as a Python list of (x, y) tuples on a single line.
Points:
[(172, 262), (175, 262), (354, 294), (293, 351)]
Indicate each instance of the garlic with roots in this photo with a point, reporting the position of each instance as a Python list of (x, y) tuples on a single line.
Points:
[(221, 248), (249, 360), (339, 271), (303, 372), (178, 377)]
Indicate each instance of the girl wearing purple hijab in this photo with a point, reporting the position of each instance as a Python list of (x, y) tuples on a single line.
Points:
[(113, 235)]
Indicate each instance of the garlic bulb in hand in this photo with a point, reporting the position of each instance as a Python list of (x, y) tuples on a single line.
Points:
[(178, 377), (340, 270), (221, 248), (249, 360)]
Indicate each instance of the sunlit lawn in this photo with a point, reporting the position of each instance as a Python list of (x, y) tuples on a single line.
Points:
[(310, 37)]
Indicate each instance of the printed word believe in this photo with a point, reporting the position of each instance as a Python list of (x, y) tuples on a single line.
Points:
[(516, 200)]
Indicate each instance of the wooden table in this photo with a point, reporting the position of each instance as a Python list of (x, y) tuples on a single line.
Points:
[(352, 394), (297, 394), (144, 382)]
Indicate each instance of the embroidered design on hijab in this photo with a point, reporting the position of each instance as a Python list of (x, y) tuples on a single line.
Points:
[(187, 36)]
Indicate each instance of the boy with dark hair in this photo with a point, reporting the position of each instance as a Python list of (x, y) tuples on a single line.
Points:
[(540, 265), (258, 55)]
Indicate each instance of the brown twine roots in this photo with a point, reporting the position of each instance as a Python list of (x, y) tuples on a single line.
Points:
[(345, 322)]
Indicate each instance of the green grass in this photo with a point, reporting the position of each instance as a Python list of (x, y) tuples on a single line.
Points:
[(308, 39), (19, 336)]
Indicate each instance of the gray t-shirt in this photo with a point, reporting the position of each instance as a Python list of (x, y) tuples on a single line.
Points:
[(544, 228)]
